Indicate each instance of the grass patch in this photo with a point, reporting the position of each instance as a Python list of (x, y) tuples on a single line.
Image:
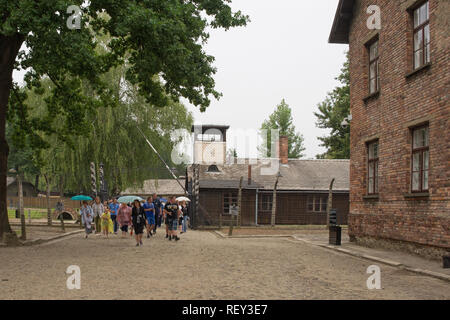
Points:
[(35, 213)]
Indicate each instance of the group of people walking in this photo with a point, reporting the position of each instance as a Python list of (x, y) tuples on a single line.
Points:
[(136, 217)]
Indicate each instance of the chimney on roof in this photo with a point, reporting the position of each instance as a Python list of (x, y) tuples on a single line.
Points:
[(283, 150), (249, 174)]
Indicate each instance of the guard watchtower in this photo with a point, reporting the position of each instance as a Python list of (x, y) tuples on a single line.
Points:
[(210, 144)]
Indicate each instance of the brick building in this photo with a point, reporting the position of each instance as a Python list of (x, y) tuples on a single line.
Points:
[(400, 136)]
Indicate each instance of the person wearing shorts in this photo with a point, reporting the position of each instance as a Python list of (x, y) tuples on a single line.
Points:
[(172, 211), (149, 209)]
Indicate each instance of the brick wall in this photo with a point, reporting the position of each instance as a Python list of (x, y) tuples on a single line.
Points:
[(403, 101)]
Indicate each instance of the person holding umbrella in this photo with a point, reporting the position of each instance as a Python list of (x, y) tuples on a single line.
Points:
[(185, 213), (139, 221)]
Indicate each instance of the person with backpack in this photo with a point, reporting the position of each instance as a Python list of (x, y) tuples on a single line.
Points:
[(172, 213)]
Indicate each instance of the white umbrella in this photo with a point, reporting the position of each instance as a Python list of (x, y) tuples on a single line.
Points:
[(128, 199), (183, 199)]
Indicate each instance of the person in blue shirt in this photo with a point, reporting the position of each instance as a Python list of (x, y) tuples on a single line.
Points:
[(114, 208), (149, 210), (158, 212)]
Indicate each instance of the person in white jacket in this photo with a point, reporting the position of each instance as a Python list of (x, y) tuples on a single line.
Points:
[(87, 216)]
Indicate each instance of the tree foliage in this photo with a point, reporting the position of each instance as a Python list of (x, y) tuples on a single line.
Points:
[(332, 111), (281, 119), (160, 41)]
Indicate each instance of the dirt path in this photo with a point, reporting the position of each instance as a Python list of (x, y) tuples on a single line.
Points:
[(200, 266)]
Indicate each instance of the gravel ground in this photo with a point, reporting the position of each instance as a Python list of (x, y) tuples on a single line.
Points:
[(200, 266)]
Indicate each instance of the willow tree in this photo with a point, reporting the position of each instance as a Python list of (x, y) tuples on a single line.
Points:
[(116, 142), (162, 38)]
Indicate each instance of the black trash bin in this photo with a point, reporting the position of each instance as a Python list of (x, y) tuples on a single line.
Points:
[(17, 214), (446, 262), (335, 235)]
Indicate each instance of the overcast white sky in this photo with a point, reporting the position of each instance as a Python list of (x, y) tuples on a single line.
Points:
[(282, 53)]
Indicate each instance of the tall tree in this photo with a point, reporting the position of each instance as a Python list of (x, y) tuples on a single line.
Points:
[(162, 41), (281, 119), (332, 111)]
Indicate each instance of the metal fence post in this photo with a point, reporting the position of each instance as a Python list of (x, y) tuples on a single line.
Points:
[(230, 231), (196, 187)]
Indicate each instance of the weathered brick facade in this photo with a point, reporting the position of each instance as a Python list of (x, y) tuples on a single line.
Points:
[(405, 99)]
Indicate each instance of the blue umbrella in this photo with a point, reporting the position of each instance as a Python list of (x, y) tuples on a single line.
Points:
[(128, 199), (81, 198)]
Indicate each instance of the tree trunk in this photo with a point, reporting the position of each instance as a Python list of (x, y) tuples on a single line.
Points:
[(9, 48), (274, 203), (23, 236), (330, 201), (36, 182), (49, 210), (61, 196)]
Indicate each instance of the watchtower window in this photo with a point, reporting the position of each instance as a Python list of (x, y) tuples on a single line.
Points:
[(210, 137)]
